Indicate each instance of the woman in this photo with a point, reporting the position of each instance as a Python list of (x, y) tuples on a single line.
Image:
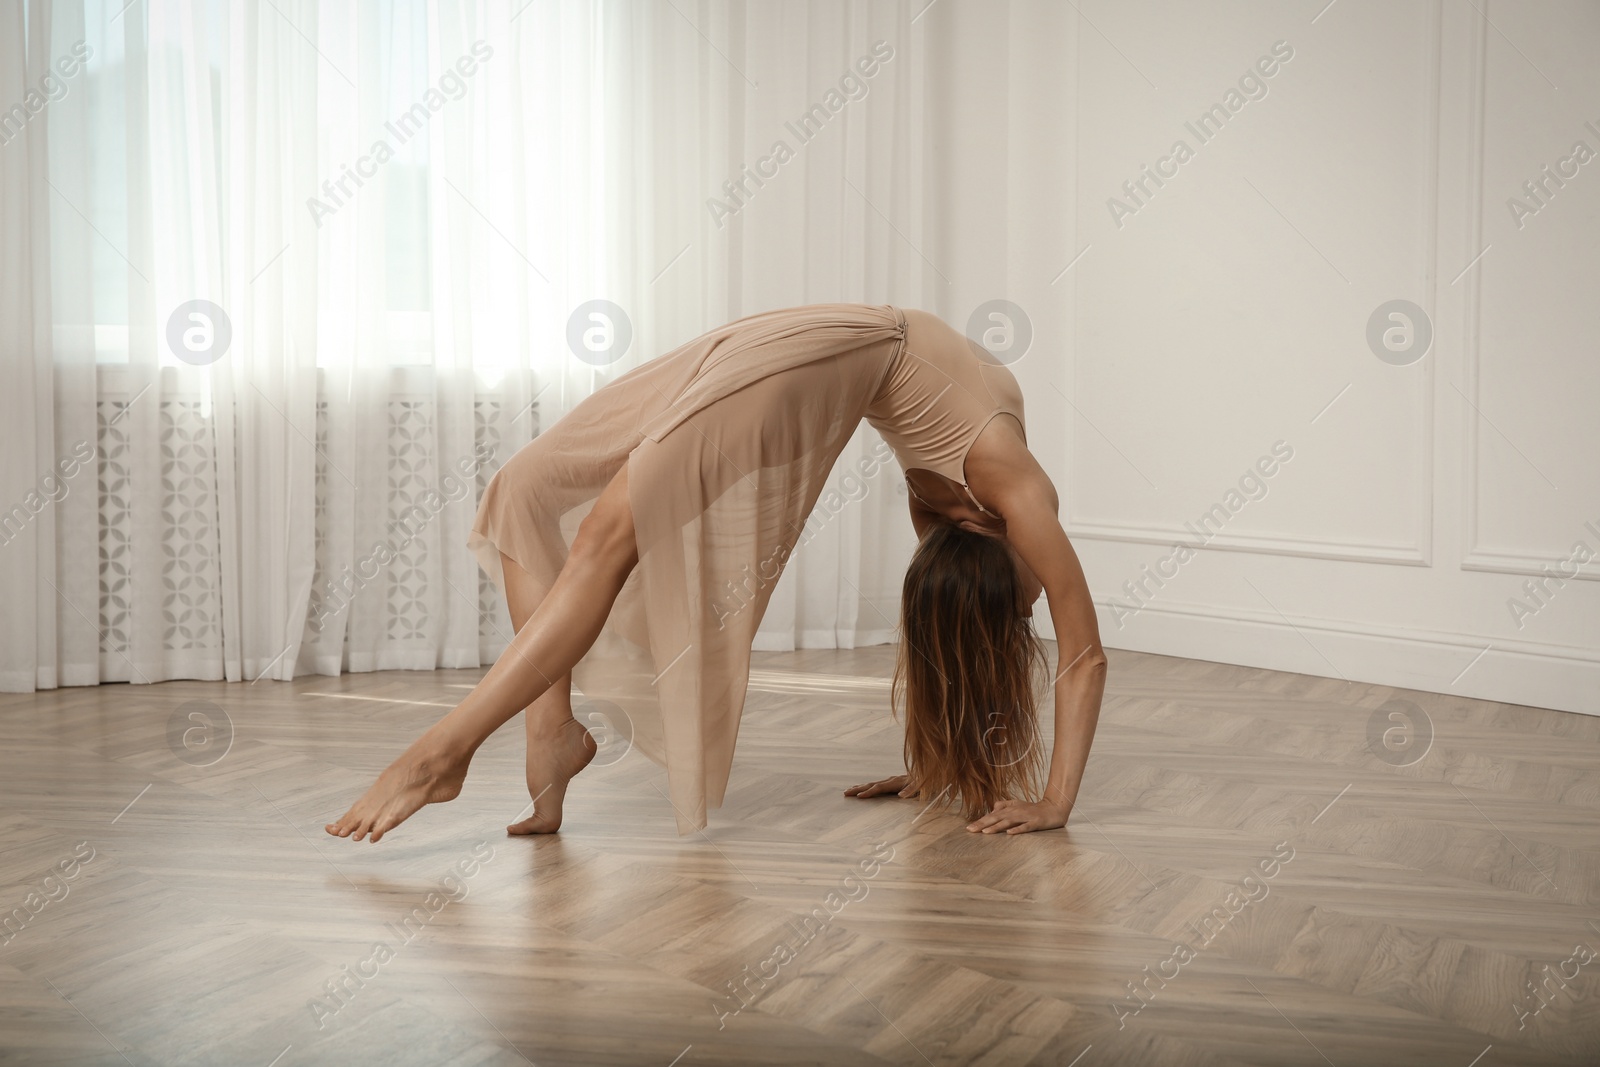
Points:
[(638, 539)]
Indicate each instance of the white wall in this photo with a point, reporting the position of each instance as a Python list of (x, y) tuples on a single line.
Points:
[(1231, 309), (1229, 312)]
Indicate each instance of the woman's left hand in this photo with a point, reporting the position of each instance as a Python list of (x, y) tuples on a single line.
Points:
[(1021, 816)]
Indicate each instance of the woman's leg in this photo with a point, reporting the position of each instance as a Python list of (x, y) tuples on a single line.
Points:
[(545, 648), (558, 745)]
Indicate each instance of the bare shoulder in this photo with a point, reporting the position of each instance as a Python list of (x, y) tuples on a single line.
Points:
[(1001, 469), (919, 317)]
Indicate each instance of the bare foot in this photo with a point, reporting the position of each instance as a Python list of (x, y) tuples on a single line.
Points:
[(420, 776), (554, 759)]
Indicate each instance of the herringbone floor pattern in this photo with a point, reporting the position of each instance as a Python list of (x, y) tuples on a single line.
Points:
[(1256, 873)]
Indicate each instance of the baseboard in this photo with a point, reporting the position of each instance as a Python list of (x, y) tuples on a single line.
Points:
[(775, 642), (1562, 677)]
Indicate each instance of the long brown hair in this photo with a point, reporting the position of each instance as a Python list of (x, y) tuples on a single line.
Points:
[(967, 670)]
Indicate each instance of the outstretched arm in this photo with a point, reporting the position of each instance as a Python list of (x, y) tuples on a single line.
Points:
[(1028, 502)]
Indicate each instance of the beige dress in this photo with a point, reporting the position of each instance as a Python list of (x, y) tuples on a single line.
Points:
[(729, 441)]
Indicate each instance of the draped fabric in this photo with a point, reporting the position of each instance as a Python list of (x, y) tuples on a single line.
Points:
[(728, 441), (283, 284)]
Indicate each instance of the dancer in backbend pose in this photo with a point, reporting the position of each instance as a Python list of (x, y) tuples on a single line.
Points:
[(638, 539)]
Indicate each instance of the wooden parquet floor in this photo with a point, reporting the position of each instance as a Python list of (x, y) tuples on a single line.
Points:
[(1255, 874)]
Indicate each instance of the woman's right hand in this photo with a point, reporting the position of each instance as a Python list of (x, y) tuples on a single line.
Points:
[(899, 785)]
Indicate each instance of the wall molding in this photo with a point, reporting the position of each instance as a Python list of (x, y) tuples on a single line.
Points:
[(1472, 337), (1511, 670), (1419, 550), (1281, 544), (1475, 557), (1521, 563)]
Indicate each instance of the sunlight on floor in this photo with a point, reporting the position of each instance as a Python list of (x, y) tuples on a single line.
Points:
[(807, 682)]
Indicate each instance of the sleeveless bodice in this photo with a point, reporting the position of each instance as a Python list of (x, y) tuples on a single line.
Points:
[(937, 396)]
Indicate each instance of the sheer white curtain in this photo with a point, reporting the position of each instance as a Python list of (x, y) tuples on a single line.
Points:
[(396, 215)]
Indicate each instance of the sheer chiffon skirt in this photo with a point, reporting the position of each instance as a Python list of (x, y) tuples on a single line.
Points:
[(729, 441)]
